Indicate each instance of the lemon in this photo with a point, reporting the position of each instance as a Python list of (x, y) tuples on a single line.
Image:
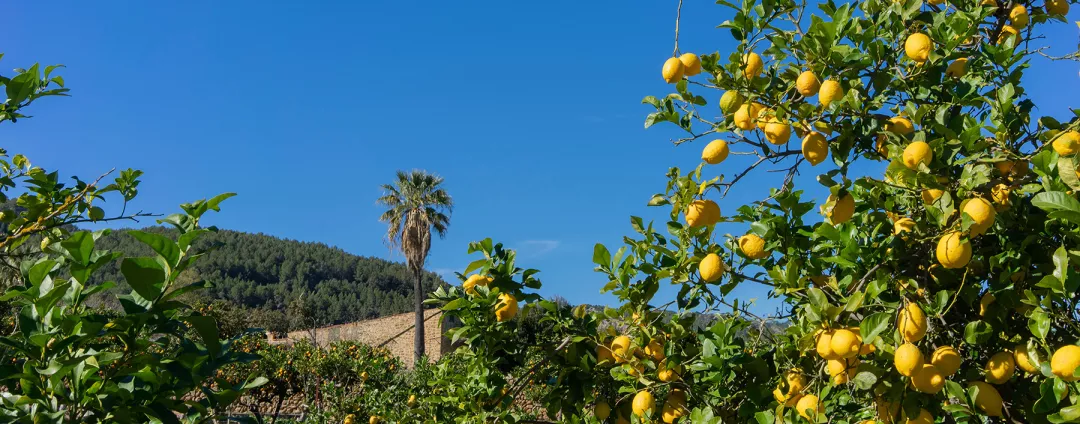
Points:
[(952, 251), (923, 418), (762, 117), (655, 349), (824, 345), (911, 322), (507, 308), (1000, 368), (604, 355), (931, 195), (1000, 193), (899, 125), (475, 280), (845, 343), (1007, 33), (988, 400), (668, 374), (752, 65), (777, 132), (691, 64), (946, 359), (743, 120), (411, 402), (711, 268), (350, 419), (807, 84), (981, 213), (753, 247), (1067, 143), (374, 419), (903, 225), (830, 91), (702, 213), (601, 411), (1057, 7), (958, 68), (674, 407), (1020, 354), (917, 153), (842, 370), (1065, 361), (673, 70), (887, 411), (928, 379), (984, 303), (1018, 17), (715, 152), (917, 47), (808, 407), (796, 381), (731, 101), (620, 348), (786, 399), (815, 148), (643, 403), (842, 210)]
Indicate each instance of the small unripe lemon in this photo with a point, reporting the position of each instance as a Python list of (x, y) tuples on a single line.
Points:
[(917, 47), (917, 153), (715, 152), (815, 148), (702, 213), (982, 214), (1018, 17), (845, 343), (952, 251), (1023, 360), (912, 322), (601, 411), (1057, 7), (807, 84), (1065, 361), (958, 68), (903, 225), (643, 403), (731, 101), (843, 208), (711, 268), (691, 64), (752, 65), (988, 400), (829, 92), (673, 70), (777, 132), (1067, 143), (507, 307), (946, 359), (928, 379), (753, 246)]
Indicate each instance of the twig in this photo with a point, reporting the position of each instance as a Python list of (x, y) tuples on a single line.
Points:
[(678, 17)]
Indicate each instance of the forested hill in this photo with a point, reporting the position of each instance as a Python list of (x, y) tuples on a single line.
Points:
[(265, 275)]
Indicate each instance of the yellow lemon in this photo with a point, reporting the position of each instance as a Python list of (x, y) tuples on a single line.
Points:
[(507, 308), (845, 343), (1065, 361), (952, 251), (1023, 360), (903, 225), (604, 355), (982, 213), (711, 268), (1000, 193), (931, 195), (786, 399), (691, 64), (815, 148), (1018, 17), (763, 117), (373, 420), (917, 47), (475, 280), (923, 418), (842, 210), (958, 68), (988, 400), (887, 411), (899, 125), (673, 70), (796, 381), (753, 246), (620, 348), (928, 379), (984, 303), (1067, 143), (912, 322), (808, 407), (777, 132), (742, 118), (1057, 7), (1007, 33), (655, 349), (807, 84), (731, 101), (643, 403), (917, 153), (668, 374), (1000, 368), (350, 419), (842, 370), (601, 411), (752, 65), (830, 91), (715, 152), (411, 402), (674, 407), (702, 213), (946, 359), (824, 345)]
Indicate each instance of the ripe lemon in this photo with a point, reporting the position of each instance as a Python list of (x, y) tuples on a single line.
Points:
[(958, 68), (620, 348), (1000, 368), (899, 125), (668, 374), (824, 345), (715, 152), (923, 418), (1067, 143), (984, 303), (753, 247), (752, 65), (842, 370), (912, 322), (350, 419), (1018, 17), (815, 148), (691, 64), (1007, 33), (903, 225), (1020, 354), (952, 251), (887, 411), (988, 400), (507, 308), (1057, 7), (673, 70), (982, 213), (643, 403), (830, 91), (808, 407), (796, 381), (373, 420), (731, 101), (928, 379), (411, 402), (1065, 361), (711, 268), (1000, 193), (742, 118), (845, 344), (786, 399), (702, 213), (807, 84), (604, 355), (842, 209), (763, 117), (931, 195), (475, 280), (777, 132), (917, 153), (655, 349), (674, 407), (946, 359), (917, 47), (601, 411)]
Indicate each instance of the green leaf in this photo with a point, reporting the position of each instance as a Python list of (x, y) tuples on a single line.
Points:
[(145, 275), (1039, 323), (977, 332), (873, 326), (601, 256), (80, 246), (1058, 205), (207, 329), (161, 244), (1061, 264)]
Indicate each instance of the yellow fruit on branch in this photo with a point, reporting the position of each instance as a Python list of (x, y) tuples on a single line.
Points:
[(673, 70), (1065, 361), (752, 65), (1067, 143), (842, 370), (923, 418), (808, 407), (1000, 368), (928, 379), (475, 280), (753, 247), (1057, 7), (899, 125), (507, 308), (845, 343), (917, 153), (715, 152), (674, 407), (763, 117), (843, 208), (668, 374), (691, 64), (985, 302), (815, 148), (1000, 193), (946, 359), (911, 321), (785, 399), (907, 359), (931, 195), (958, 68), (604, 356), (411, 402), (701, 213), (807, 84), (1023, 360), (830, 92), (601, 411), (1018, 17), (745, 117), (620, 349), (373, 420), (824, 345), (643, 403), (655, 349), (731, 101), (917, 47), (987, 400), (777, 132), (982, 214), (953, 251), (711, 268)]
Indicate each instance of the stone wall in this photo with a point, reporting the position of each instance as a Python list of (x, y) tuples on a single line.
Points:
[(394, 332)]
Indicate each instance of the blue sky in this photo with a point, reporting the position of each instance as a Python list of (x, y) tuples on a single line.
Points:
[(530, 110)]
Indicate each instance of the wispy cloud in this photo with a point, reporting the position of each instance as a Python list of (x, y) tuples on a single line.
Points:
[(536, 248)]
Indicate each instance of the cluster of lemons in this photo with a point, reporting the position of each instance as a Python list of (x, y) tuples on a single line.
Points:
[(623, 350), (507, 307)]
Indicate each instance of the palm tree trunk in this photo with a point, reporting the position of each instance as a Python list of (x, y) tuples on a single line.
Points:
[(418, 342)]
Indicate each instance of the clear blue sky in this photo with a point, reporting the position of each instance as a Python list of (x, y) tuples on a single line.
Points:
[(530, 110)]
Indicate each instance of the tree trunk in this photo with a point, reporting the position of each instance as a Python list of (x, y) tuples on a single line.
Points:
[(418, 329)]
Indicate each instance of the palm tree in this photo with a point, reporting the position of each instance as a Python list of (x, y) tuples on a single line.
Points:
[(417, 205)]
